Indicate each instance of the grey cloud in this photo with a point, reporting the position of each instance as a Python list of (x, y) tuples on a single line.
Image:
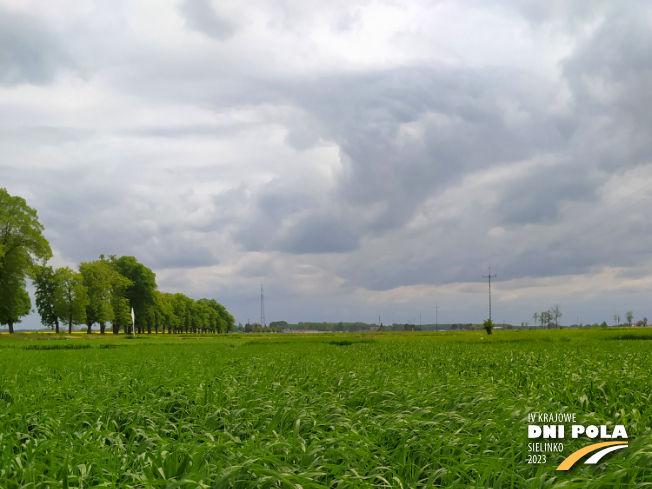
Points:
[(364, 114), (320, 234), (384, 182), (538, 196), (101, 217), (200, 16), (30, 52)]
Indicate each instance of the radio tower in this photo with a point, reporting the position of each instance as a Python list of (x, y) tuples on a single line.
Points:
[(262, 307)]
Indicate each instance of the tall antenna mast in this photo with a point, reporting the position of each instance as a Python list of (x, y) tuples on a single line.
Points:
[(489, 277), (262, 307)]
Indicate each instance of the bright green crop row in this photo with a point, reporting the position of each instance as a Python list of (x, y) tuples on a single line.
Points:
[(447, 410)]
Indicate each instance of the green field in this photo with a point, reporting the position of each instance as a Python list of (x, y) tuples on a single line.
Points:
[(379, 410)]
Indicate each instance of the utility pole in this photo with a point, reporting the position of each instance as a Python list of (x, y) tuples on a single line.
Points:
[(489, 277), (262, 307), (436, 317)]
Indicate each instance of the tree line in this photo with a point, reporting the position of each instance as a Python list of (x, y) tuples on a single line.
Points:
[(101, 292)]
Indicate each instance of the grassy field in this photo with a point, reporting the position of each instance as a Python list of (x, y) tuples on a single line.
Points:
[(379, 410)]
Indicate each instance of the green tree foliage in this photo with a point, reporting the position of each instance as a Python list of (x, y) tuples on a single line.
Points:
[(21, 234), (46, 281), (70, 298), (140, 293), (546, 319), (120, 304), (22, 248), (164, 311), (630, 317), (179, 310), (186, 325), (14, 299), (555, 314), (488, 325), (219, 320), (106, 293), (97, 277)]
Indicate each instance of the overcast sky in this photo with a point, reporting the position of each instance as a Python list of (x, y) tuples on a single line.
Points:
[(358, 158)]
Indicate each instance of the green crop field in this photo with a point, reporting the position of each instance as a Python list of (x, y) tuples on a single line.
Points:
[(384, 410)]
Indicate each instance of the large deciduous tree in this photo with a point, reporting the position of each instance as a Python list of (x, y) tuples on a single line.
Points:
[(141, 291), (14, 299), (106, 289), (220, 321), (22, 248), (179, 306), (46, 280), (71, 298)]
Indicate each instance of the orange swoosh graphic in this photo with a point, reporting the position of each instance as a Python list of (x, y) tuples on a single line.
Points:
[(575, 456)]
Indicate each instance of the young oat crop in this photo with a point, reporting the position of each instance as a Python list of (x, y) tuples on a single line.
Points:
[(249, 411)]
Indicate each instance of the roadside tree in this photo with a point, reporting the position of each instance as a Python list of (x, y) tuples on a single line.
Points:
[(22, 249), (71, 298), (14, 299), (46, 281), (106, 289), (141, 291)]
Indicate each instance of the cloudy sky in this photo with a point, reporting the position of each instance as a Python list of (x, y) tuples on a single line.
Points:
[(358, 158)]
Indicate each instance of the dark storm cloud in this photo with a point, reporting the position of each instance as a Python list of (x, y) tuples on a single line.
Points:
[(463, 126), (30, 51), (610, 75), (200, 16), (320, 234), (537, 197)]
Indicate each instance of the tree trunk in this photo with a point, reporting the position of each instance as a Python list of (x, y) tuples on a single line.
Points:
[(89, 328), (11, 326), (102, 328), (56, 323), (116, 328), (70, 326)]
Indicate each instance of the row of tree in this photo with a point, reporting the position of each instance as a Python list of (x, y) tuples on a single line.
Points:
[(547, 318), (100, 292)]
